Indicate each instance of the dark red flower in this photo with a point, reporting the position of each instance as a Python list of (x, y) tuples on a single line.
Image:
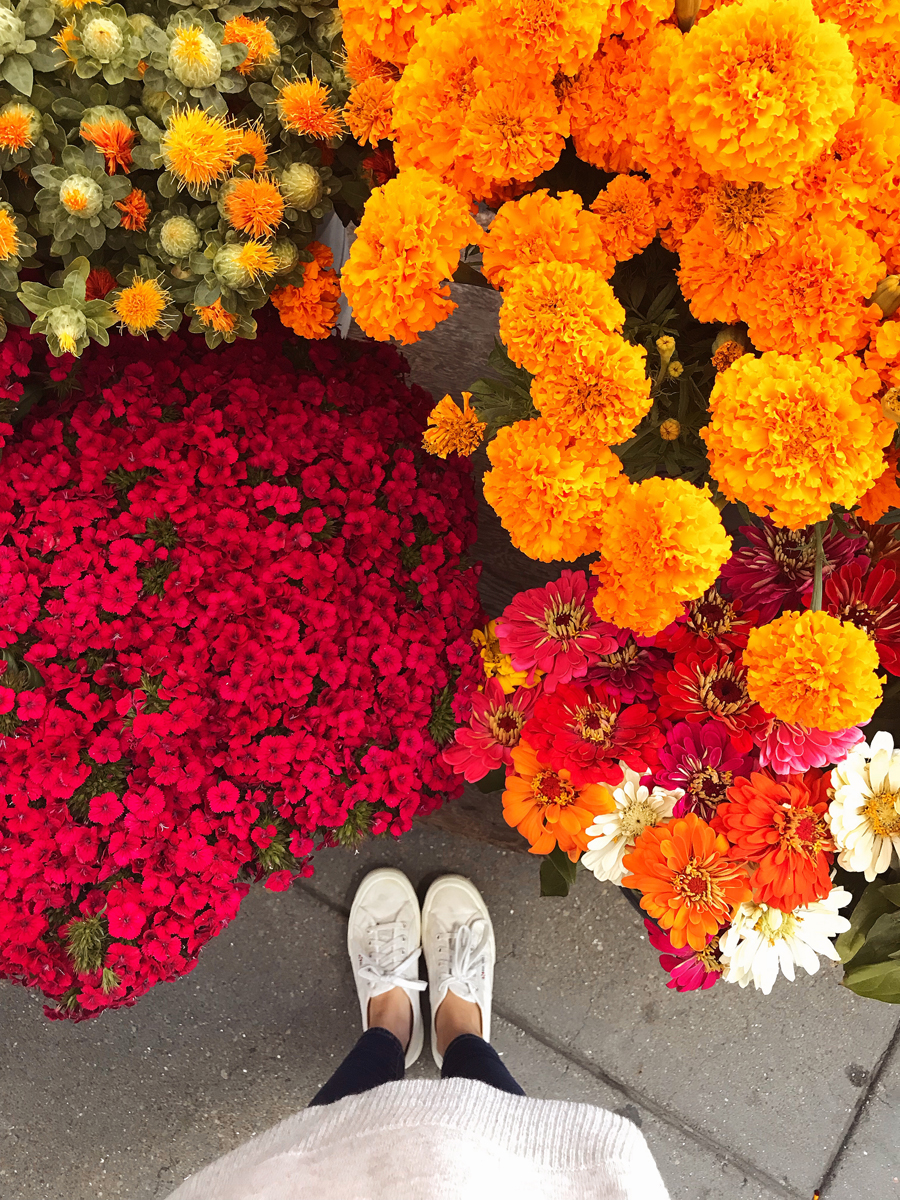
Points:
[(710, 623), (870, 599), (714, 688)]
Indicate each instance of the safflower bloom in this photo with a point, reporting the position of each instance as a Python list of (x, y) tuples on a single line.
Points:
[(864, 813), (406, 246), (141, 305), (549, 488), (688, 969), (547, 808), (17, 127), (198, 148), (553, 312), (114, 139), (760, 88), (712, 687), (303, 107), (613, 834), (256, 36), (9, 235), (687, 882), (493, 730), (703, 762), (552, 630), (453, 430), (312, 309), (812, 669), (628, 216), (780, 826), (255, 206), (369, 110), (605, 396), (135, 210), (792, 436), (252, 141), (215, 316), (662, 542), (540, 228)]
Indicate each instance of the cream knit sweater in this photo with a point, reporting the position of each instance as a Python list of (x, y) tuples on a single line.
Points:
[(453, 1139)]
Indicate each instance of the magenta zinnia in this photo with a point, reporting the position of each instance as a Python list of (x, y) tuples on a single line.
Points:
[(703, 762), (688, 969), (494, 727), (630, 670)]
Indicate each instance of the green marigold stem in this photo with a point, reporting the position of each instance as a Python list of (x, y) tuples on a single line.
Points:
[(819, 567)]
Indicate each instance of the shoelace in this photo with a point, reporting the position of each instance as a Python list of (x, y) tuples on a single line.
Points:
[(468, 953), (374, 969)]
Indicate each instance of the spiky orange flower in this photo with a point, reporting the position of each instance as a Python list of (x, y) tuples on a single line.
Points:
[(9, 236), (313, 309), (199, 148), (303, 108), (255, 206), (689, 885), (16, 128), (252, 141), (66, 35), (114, 141), (546, 807), (255, 35), (256, 259), (453, 430), (135, 211), (214, 316), (140, 306), (628, 216), (369, 110)]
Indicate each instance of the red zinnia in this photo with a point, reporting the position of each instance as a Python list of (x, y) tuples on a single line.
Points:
[(710, 623), (781, 826), (869, 599), (713, 687), (585, 730)]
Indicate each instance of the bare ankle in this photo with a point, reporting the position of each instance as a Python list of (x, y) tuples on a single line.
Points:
[(454, 1017), (392, 1011)]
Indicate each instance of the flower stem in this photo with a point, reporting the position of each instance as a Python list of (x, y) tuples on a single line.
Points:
[(819, 567)]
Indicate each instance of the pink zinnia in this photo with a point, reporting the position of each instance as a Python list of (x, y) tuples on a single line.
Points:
[(555, 629), (703, 761), (792, 749), (494, 727), (689, 969)]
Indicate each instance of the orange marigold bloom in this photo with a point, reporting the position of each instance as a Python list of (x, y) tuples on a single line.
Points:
[(369, 110), (789, 436), (361, 64), (16, 126), (688, 884), (453, 430), (311, 310), (549, 488), (726, 354), (662, 543), (549, 36), (883, 354), (407, 245), (884, 494), (255, 206), (760, 88), (863, 21), (214, 316), (782, 827), (199, 148), (713, 279), (114, 141), (749, 220), (631, 19), (9, 235), (628, 216), (140, 305), (659, 147), (605, 396), (547, 808), (389, 28), (303, 107), (553, 312), (597, 102), (878, 63), (256, 36), (539, 228), (812, 670), (135, 211)]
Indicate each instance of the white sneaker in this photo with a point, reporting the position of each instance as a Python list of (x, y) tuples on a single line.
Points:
[(458, 940), (384, 938)]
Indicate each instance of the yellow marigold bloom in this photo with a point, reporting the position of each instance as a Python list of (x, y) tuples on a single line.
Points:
[(9, 236), (369, 110), (198, 148), (114, 141), (807, 290), (627, 216), (388, 27), (662, 543), (597, 102), (252, 141), (135, 211), (514, 129), (140, 306), (884, 494), (810, 669), (255, 206), (539, 228), (605, 396), (548, 488), (303, 108), (255, 35), (407, 245), (883, 353), (550, 36), (749, 220), (863, 21), (552, 313), (759, 89), (499, 666), (792, 436), (312, 310), (214, 316), (712, 278), (16, 127), (453, 430)]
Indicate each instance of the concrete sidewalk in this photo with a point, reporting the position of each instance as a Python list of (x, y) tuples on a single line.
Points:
[(741, 1097)]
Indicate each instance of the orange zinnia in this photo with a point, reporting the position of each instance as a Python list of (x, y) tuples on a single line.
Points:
[(689, 885), (782, 827), (114, 141), (547, 808), (135, 210)]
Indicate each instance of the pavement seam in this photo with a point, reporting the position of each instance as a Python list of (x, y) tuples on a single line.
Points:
[(719, 1149), (862, 1107)]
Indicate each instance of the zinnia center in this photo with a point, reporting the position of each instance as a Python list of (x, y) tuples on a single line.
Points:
[(694, 883), (881, 813), (636, 818), (548, 788), (565, 624), (595, 723), (506, 725)]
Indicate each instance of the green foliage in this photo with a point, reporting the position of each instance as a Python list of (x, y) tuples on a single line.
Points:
[(870, 948), (557, 873), (442, 725), (86, 941), (356, 826), (504, 400)]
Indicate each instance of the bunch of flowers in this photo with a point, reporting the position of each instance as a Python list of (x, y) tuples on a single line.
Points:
[(187, 153), (234, 627)]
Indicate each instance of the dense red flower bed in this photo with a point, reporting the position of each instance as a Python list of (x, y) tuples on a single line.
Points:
[(233, 612)]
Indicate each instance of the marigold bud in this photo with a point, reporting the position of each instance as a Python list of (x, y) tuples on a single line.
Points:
[(686, 13), (666, 348), (890, 404), (887, 295), (301, 186), (103, 39), (179, 237), (676, 370), (670, 430)]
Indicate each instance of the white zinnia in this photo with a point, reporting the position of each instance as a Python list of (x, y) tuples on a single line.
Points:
[(864, 813), (761, 939), (613, 834)]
